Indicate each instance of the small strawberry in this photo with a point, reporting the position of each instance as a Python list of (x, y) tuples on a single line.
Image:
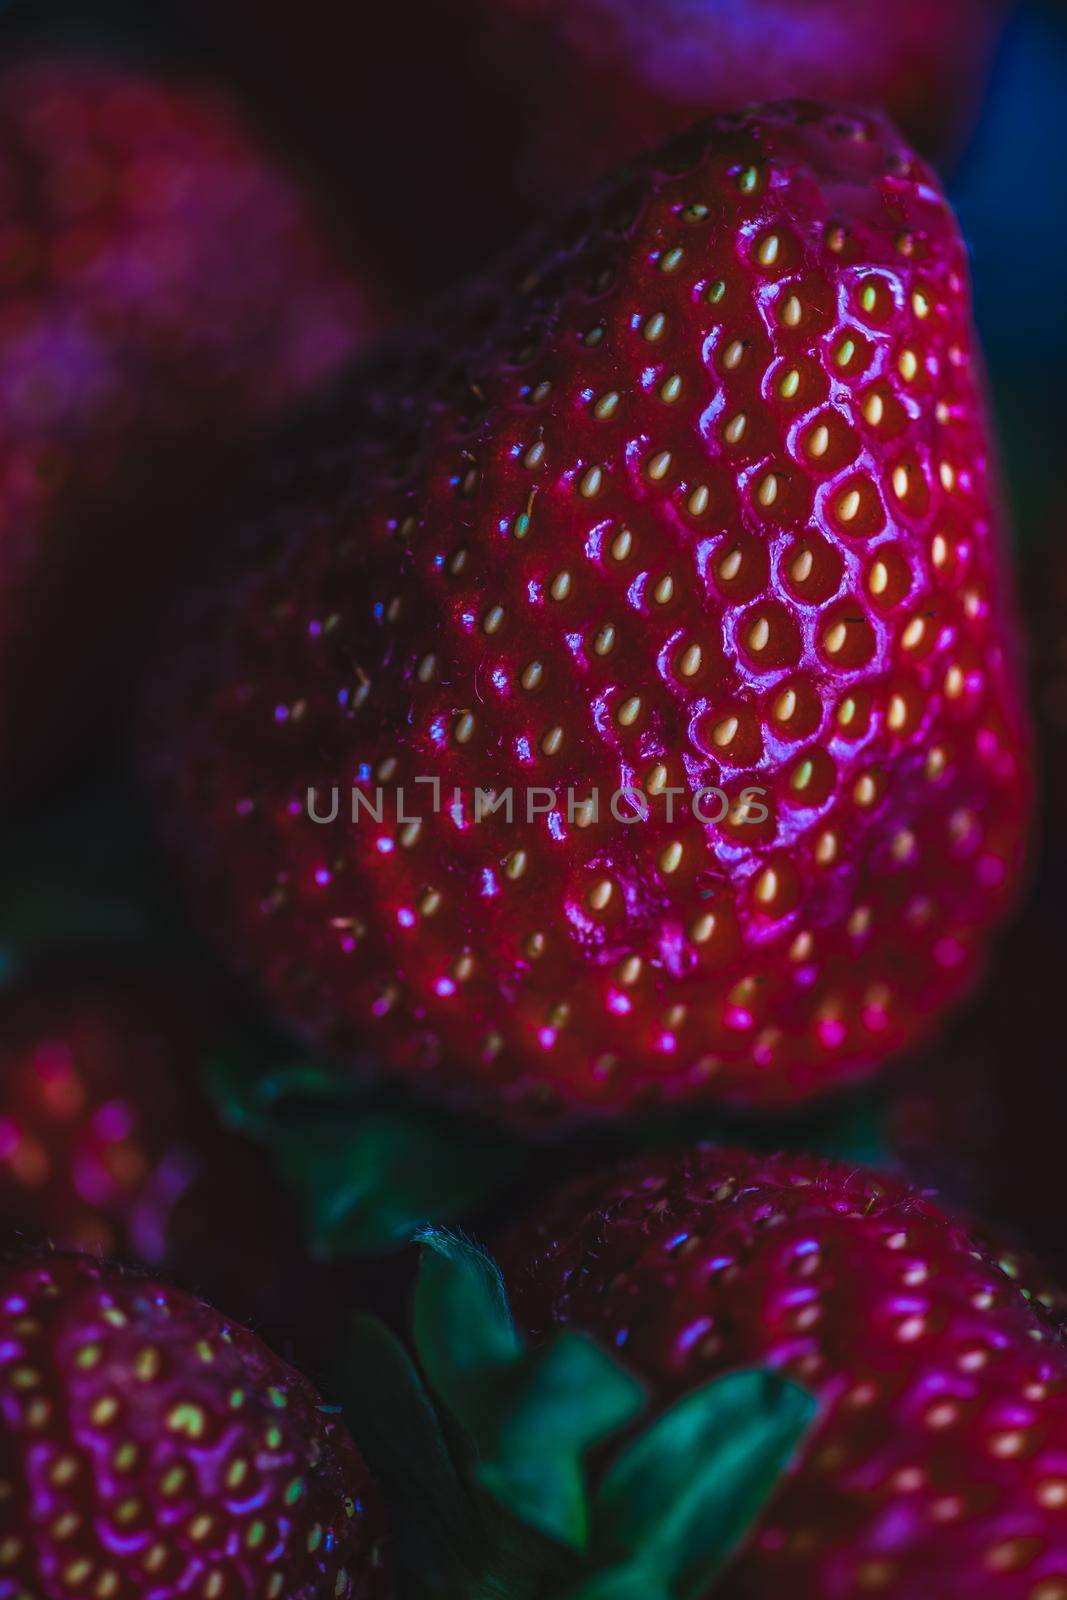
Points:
[(109, 1144), (684, 538), (164, 291), (148, 1448), (938, 1463)]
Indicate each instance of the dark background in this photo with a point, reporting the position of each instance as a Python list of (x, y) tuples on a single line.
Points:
[(1008, 186)]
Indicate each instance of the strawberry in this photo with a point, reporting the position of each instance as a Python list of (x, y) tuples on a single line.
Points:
[(164, 291), (938, 1463), (150, 1448), (697, 503), (492, 1451), (109, 1144)]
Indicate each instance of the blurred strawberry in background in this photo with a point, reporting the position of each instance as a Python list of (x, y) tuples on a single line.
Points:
[(108, 1142), (506, 108), (626, 73), (164, 292)]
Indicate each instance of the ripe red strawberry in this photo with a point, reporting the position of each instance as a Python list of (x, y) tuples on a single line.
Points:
[(938, 1465), (164, 291), (149, 1448), (702, 501), (109, 1144)]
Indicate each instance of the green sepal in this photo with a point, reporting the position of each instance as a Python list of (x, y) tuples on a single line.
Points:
[(464, 1332), (452, 1542), (391, 1415), (623, 1583), (366, 1178), (683, 1497), (369, 1182), (572, 1397), (486, 1462), (531, 1416), (250, 1096)]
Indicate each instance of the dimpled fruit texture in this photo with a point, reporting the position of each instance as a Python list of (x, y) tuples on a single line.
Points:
[(938, 1465), (150, 1449), (702, 503), (164, 290)]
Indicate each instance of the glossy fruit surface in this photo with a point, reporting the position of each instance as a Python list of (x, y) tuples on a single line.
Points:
[(939, 1464), (149, 1448), (696, 502)]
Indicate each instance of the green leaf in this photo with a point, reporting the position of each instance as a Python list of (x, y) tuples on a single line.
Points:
[(393, 1419), (572, 1396), (366, 1178), (684, 1496), (464, 1333), (251, 1095), (370, 1182), (623, 1583), (531, 1415)]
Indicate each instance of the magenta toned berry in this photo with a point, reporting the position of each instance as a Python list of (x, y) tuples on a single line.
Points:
[(149, 1448), (697, 500), (109, 1142), (164, 291), (938, 1465)]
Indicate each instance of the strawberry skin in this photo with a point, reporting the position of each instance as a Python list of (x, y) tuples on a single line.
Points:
[(164, 292), (149, 1449), (939, 1464), (699, 496), (108, 1143)]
